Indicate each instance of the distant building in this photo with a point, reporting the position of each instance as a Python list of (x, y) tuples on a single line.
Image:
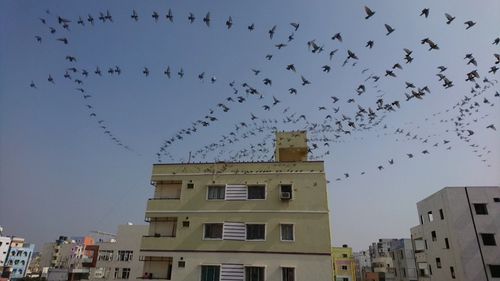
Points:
[(240, 220), (18, 257), (344, 267), (363, 264), (4, 250), (382, 260), (459, 234), (403, 258), (119, 258)]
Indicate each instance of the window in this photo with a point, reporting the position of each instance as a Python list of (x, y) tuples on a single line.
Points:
[(344, 267), (190, 185), (288, 273), (125, 255), (286, 191), (496, 199), (117, 273), (421, 220), (210, 272), (256, 231), (446, 243), (256, 192), (404, 272), (185, 223), (287, 232), (438, 262), (495, 270), (105, 255), (452, 272), (254, 273), (429, 214), (125, 273), (441, 214), (488, 239), (181, 264), (216, 192), (433, 235), (430, 269), (344, 255), (213, 231), (481, 209)]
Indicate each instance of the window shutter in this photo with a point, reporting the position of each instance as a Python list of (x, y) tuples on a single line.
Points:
[(234, 231), (236, 192), (232, 272)]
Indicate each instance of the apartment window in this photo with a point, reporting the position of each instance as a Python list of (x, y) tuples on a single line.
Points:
[(404, 272), (488, 239), (430, 269), (125, 255), (441, 214), (496, 199), (105, 255), (256, 231), (117, 273), (254, 273), (287, 232), (210, 273), (213, 231), (433, 235), (421, 219), (344, 267), (481, 209), (256, 192), (216, 192), (495, 270), (452, 272), (286, 191), (446, 243), (438, 262), (429, 215), (288, 273), (190, 185), (125, 273), (401, 254), (344, 255)]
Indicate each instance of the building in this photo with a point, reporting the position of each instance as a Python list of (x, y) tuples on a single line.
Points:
[(459, 234), (240, 220), (403, 258), (344, 265), (18, 257), (119, 257), (363, 264), (4, 250)]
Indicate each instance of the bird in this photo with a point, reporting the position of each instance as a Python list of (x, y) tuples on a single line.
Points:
[(389, 29), (295, 25), (229, 22), (337, 36), (146, 71), (181, 73), (279, 46), (469, 24), (267, 81), (442, 68), (369, 44), (64, 40), (291, 67), (206, 19), (275, 101), (191, 18), (351, 54), (90, 19), (32, 84), (369, 12), (332, 53), (134, 15), (108, 16), (496, 41), (304, 81), (97, 71), (50, 79), (170, 16), (167, 72), (292, 91), (326, 68), (38, 39), (491, 126), (425, 12), (409, 155), (269, 56), (271, 32), (80, 21), (251, 27), (155, 16), (449, 18)]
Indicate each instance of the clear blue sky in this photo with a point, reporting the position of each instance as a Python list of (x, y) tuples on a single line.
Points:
[(60, 174)]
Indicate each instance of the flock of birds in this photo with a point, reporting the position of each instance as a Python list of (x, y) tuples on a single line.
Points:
[(344, 119)]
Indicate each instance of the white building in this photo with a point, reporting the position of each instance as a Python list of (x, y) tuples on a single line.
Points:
[(119, 258), (403, 258), (459, 234), (4, 250), (363, 264)]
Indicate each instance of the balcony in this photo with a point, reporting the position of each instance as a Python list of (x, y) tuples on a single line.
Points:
[(157, 268), (162, 227), (163, 204)]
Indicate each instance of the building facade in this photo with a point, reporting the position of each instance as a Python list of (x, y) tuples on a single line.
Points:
[(18, 257), (363, 264), (344, 265), (459, 234), (119, 258), (403, 258), (4, 250), (240, 221)]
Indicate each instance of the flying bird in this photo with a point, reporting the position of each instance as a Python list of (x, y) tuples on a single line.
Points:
[(229, 22), (206, 19), (304, 81), (134, 15), (295, 25), (191, 18), (425, 12), (449, 18), (389, 29), (272, 31), (369, 12), (469, 24), (337, 36), (170, 16)]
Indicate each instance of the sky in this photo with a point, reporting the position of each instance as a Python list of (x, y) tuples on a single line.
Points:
[(61, 174)]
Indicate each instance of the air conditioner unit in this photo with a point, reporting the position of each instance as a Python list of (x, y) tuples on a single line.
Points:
[(286, 196)]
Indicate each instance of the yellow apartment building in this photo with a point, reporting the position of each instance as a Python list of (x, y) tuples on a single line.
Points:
[(252, 221), (344, 264)]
